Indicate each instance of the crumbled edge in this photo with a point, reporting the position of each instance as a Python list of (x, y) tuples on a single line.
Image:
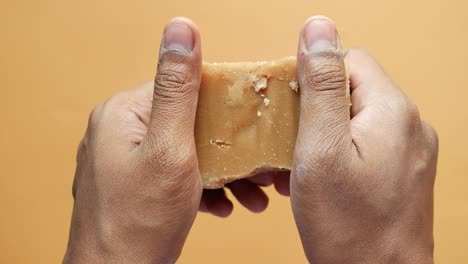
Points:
[(294, 86), (348, 85), (260, 84), (220, 182), (266, 63), (216, 183)]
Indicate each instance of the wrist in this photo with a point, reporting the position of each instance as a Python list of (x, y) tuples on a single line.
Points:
[(365, 246), (110, 242), (92, 252)]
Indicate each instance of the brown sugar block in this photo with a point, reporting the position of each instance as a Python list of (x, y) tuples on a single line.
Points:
[(247, 119)]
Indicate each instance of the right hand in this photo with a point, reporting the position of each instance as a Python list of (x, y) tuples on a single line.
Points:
[(361, 187)]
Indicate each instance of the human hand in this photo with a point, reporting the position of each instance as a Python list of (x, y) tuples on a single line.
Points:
[(137, 186), (361, 189), (247, 192)]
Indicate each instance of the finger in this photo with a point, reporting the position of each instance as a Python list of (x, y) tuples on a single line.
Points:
[(262, 179), (324, 105), (249, 195), (203, 207), (176, 84), (216, 203), (144, 94), (370, 85), (431, 143), (382, 115), (281, 181)]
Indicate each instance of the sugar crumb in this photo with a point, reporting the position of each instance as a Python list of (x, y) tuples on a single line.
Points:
[(259, 114), (294, 86), (266, 102), (260, 84)]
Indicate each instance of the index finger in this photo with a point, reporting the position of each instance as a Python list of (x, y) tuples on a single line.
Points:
[(369, 82), (381, 114)]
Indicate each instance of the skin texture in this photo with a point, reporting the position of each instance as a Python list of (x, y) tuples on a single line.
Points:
[(137, 186), (361, 188)]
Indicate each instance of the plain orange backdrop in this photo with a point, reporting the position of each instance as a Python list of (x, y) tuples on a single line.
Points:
[(58, 59)]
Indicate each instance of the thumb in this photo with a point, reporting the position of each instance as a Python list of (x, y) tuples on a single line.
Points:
[(176, 87), (324, 106)]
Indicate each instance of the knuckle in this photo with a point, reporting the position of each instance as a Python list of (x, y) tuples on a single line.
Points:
[(117, 100), (326, 153), (404, 109), (412, 110), (110, 108), (172, 82), (331, 152), (362, 52), (95, 115), (83, 147), (182, 156), (327, 73), (432, 135), (398, 104), (323, 170), (168, 155), (357, 54), (411, 117), (105, 112)]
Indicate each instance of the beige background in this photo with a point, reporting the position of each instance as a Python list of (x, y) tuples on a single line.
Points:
[(58, 59)]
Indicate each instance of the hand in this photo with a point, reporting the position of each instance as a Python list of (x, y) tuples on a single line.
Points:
[(247, 192), (361, 188), (137, 186)]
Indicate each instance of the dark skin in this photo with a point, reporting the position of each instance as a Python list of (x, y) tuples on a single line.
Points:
[(361, 188)]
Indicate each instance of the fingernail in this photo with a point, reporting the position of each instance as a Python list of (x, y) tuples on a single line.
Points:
[(320, 35), (178, 36)]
